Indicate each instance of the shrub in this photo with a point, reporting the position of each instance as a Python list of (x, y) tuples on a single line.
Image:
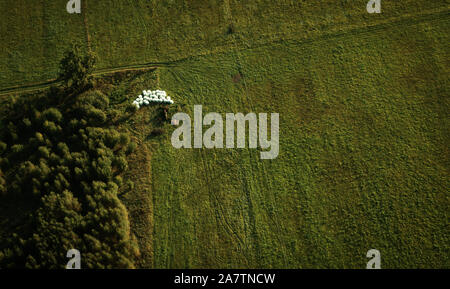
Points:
[(231, 29), (52, 114), (130, 185), (131, 147), (124, 139), (118, 180), (120, 163), (158, 132), (3, 147), (131, 108), (44, 152), (2, 184), (17, 148), (26, 122)]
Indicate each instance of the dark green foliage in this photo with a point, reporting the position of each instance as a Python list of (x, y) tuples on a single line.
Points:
[(130, 185), (76, 69), (131, 147), (158, 132), (131, 108), (52, 114), (117, 96), (231, 29), (124, 139), (120, 163), (2, 147), (2, 185), (60, 155), (118, 180), (114, 115)]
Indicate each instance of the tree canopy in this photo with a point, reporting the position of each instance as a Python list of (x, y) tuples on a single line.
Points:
[(60, 167)]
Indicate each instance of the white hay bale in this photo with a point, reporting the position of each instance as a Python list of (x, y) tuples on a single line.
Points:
[(152, 96)]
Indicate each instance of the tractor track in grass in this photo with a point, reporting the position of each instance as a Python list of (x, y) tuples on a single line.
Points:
[(86, 26), (219, 211), (256, 166), (428, 16), (43, 85)]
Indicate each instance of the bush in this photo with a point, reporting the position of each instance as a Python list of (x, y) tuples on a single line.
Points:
[(130, 185), (26, 122), (94, 98), (3, 147), (118, 180), (44, 152), (17, 148), (2, 184), (131, 147), (114, 115), (39, 137), (158, 132), (131, 108), (124, 139), (231, 29), (120, 163), (52, 114)]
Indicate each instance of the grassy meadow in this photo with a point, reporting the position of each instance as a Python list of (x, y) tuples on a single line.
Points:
[(126, 32), (364, 125)]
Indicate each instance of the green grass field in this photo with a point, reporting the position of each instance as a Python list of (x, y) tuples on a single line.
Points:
[(364, 125), (125, 32)]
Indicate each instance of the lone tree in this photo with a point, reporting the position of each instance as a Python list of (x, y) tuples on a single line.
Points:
[(76, 69)]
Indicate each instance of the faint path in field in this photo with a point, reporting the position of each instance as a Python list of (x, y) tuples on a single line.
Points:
[(365, 30), (227, 10), (86, 24), (139, 17), (257, 166), (220, 212)]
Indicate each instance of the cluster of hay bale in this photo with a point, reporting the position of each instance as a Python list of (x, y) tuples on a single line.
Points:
[(152, 96)]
